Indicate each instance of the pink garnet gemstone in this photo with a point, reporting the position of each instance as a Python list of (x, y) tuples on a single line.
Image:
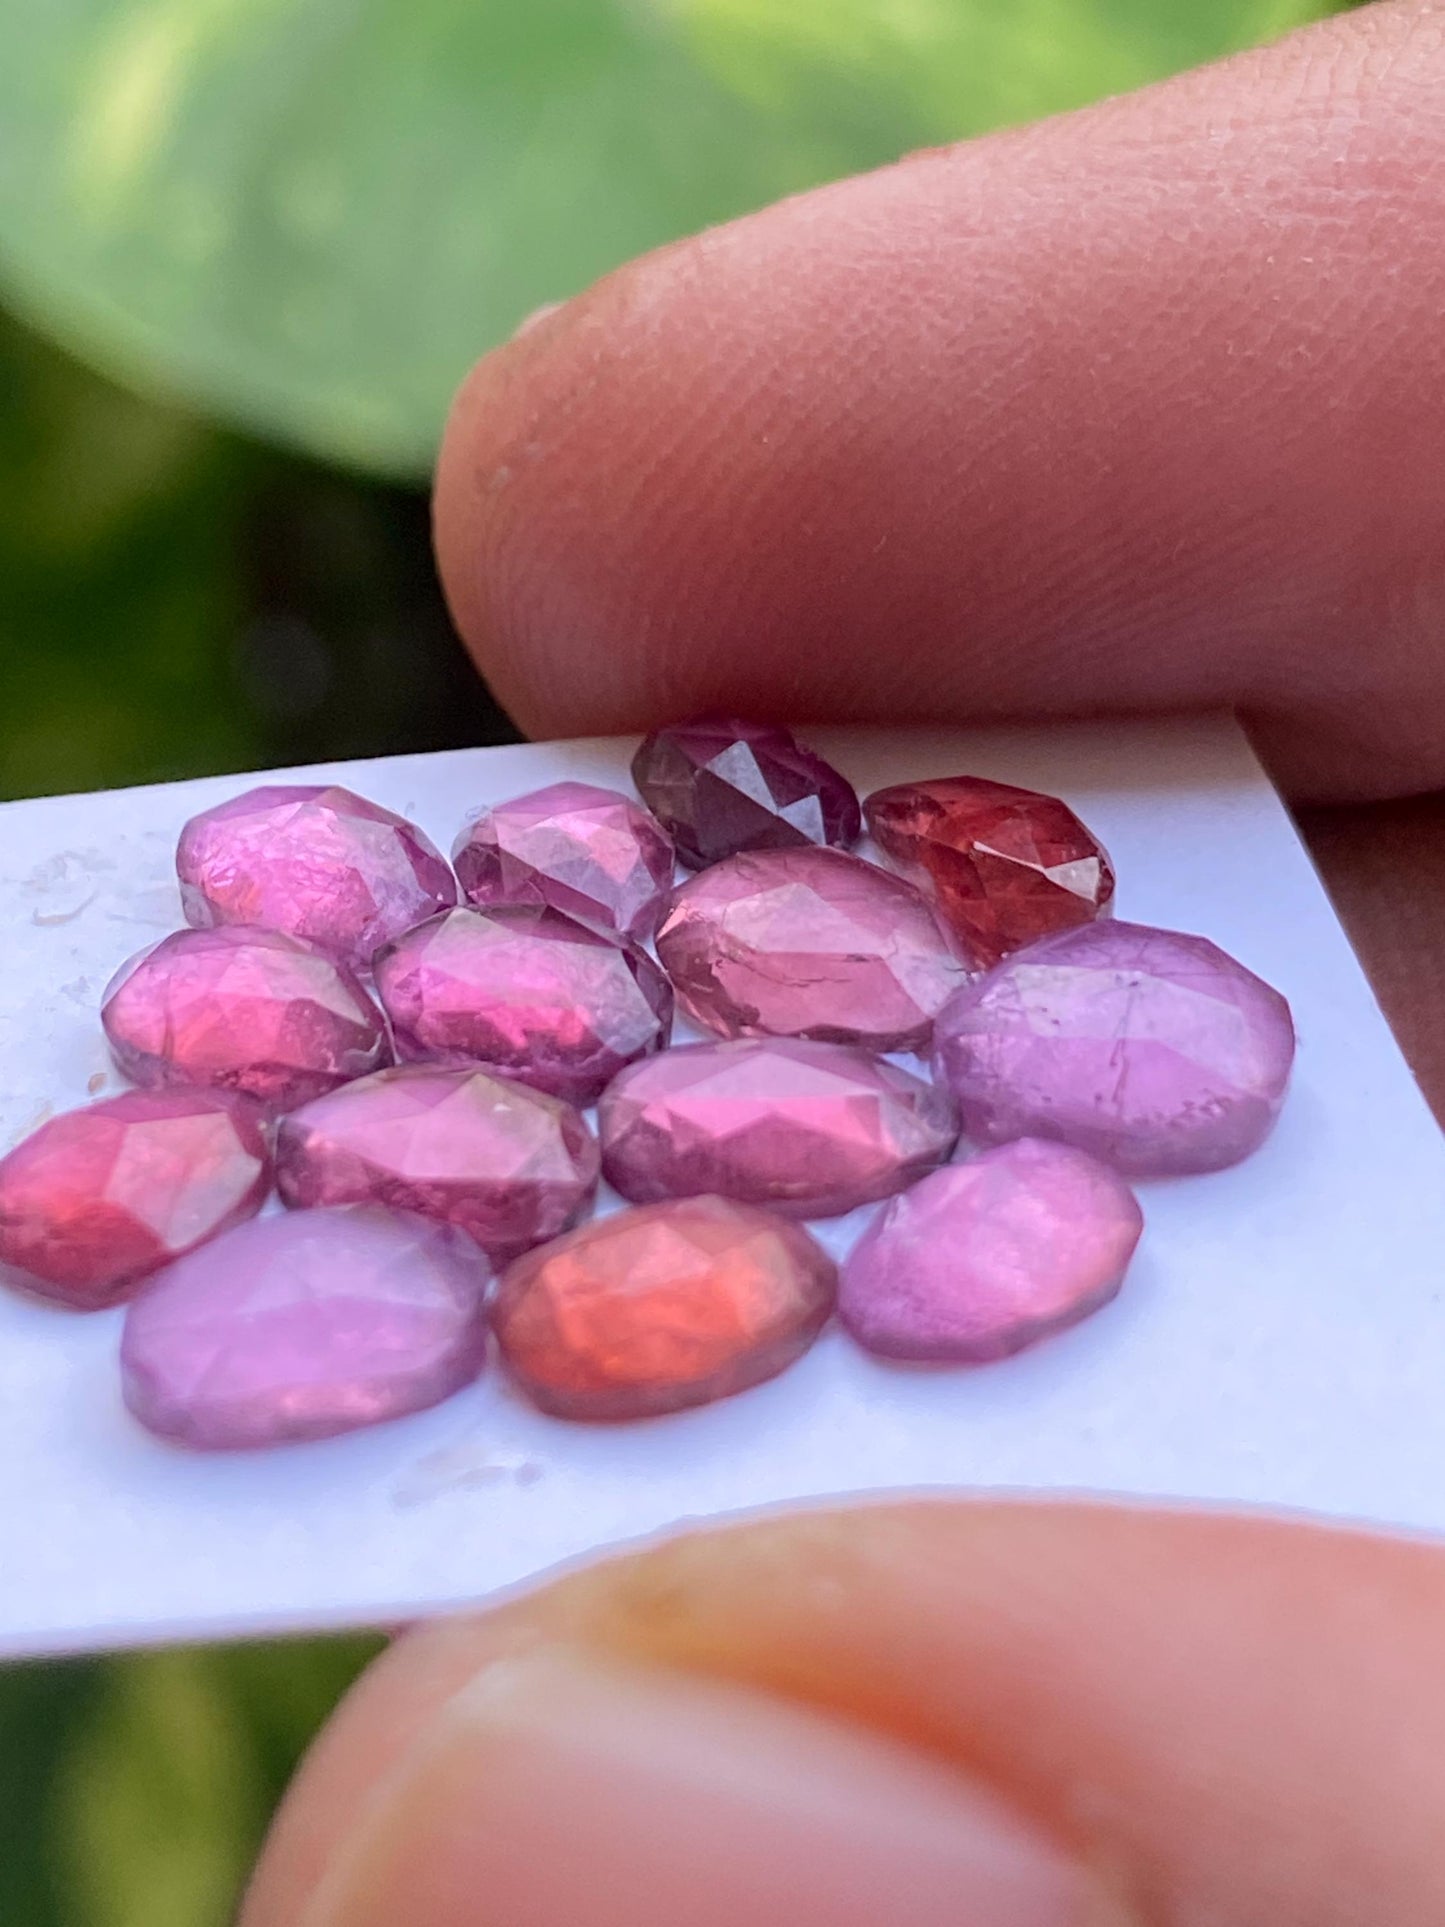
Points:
[(590, 853), (306, 1324), (508, 1165), (656, 1309), (245, 1010), (808, 943), (1005, 866), (811, 1129), (1154, 1051), (984, 1258), (718, 787), (98, 1199), (526, 992), (315, 861)]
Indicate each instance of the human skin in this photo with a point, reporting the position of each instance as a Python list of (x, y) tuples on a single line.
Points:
[(1141, 409)]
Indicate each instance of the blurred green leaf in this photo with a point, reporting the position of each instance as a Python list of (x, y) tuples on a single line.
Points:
[(309, 216)]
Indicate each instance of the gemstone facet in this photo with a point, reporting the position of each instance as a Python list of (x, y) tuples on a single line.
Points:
[(1006, 866), (810, 1129), (315, 861), (662, 1307), (304, 1325), (506, 1164), (98, 1199), (591, 853), (244, 1010), (983, 1258), (719, 786), (808, 943), (527, 993), (1152, 1050)]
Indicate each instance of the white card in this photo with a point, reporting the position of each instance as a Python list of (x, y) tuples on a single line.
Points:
[(1280, 1338)]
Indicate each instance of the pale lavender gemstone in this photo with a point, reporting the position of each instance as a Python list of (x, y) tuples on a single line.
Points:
[(1152, 1050), (591, 853), (304, 1325), (984, 1258), (810, 1129), (315, 861)]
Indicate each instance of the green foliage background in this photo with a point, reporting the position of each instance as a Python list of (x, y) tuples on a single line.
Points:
[(247, 249)]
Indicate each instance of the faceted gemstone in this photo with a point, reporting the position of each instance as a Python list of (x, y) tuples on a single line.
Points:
[(808, 943), (811, 1129), (984, 1258), (303, 1325), (508, 1165), (98, 1199), (666, 1306), (719, 786), (1154, 1051), (527, 992), (244, 1010), (315, 861), (1006, 866), (591, 853)]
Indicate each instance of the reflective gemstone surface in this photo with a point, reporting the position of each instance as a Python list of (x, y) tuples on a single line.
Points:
[(984, 1258), (1152, 1050)]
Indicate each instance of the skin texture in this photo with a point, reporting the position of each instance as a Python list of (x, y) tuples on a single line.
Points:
[(1140, 409)]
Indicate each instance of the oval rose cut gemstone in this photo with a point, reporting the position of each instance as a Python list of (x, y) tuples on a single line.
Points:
[(1005, 866), (662, 1307), (719, 786), (810, 1129), (1152, 1050), (315, 861), (98, 1199), (984, 1258), (304, 1325), (508, 1165), (808, 943), (591, 853), (527, 993), (243, 1010)]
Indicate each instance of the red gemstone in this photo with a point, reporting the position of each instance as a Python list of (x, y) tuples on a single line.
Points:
[(1006, 866)]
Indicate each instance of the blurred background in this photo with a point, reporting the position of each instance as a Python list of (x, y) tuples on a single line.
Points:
[(247, 250)]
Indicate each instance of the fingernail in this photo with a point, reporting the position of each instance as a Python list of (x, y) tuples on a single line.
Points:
[(557, 1788), (536, 318)]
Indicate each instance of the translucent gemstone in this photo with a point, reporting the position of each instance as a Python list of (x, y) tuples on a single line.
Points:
[(1152, 1050), (590, 853), (811, 1129), (244, 1010), (662, 1307), (984, 1258), (1006, 866), (808, 943), (508, 1165), (303, 1325), (527, 992), (720, 786), (98, 1199), (315, 861)]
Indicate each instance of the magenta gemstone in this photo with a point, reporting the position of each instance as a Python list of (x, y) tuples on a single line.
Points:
[(983, 1258), (98, 1199), (303, 1325), (315, 861), (808, 943), (720, 786), (508, 1165), (590, 853), (810, 1129), (526, 992), (244, 1010), (1152, 1050)]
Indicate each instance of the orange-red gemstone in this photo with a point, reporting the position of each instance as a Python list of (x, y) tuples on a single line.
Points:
[(670, 1305), (1006, 866)]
